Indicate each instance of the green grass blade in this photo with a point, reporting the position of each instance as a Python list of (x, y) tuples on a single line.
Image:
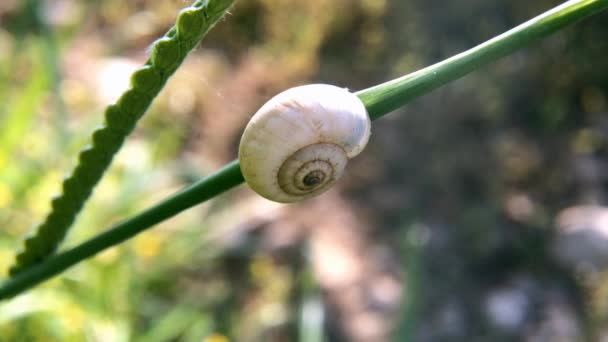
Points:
[(379, 100), (21, 110), (166, 55)]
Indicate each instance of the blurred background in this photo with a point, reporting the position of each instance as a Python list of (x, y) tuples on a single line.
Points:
[(477, 212)]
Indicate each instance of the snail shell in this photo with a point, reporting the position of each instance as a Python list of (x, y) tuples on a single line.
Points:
[(297, 145)]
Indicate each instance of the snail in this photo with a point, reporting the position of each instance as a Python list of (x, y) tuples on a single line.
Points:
[(298, 143)]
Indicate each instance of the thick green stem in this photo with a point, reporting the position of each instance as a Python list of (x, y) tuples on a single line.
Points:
[(379, 100)]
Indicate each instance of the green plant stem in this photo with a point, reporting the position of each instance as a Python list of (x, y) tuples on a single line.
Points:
[(379, 100), (388, 96), (210, 186)]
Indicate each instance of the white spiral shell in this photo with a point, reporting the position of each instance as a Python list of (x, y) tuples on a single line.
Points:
[(297, 145)]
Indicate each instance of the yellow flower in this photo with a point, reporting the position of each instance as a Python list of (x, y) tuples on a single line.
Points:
[(215, 337)]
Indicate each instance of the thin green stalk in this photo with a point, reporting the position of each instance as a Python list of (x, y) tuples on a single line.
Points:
[(411, 247), (393, 94), (379, 100), (227, 177)]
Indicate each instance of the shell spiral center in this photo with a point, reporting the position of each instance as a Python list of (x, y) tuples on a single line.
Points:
[(312, 169)]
